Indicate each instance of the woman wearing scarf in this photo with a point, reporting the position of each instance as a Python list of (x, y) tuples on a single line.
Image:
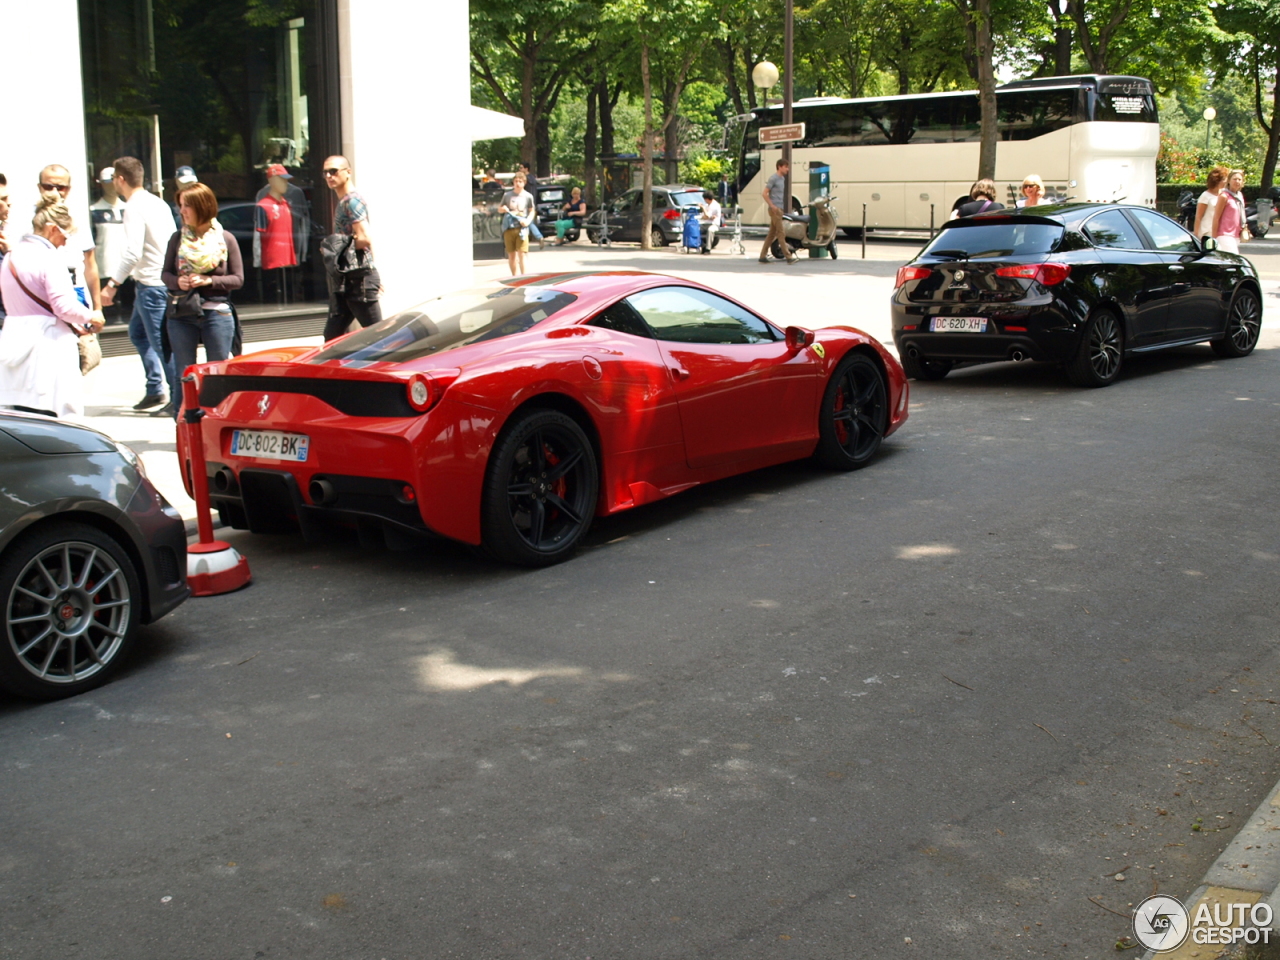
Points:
[(1228, 215), (203, 260)]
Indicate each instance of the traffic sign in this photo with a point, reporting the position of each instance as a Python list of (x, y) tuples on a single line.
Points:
[(782, 133)]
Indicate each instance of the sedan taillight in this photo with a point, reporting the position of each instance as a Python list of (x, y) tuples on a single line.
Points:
[(1047, 273), (910, 273)]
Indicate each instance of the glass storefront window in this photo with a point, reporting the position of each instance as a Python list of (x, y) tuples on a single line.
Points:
[(243, 92)]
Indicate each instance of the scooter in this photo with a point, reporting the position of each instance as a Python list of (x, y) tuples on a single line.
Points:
[(796, 228)]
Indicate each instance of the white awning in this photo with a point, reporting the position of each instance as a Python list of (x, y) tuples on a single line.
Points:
[(491, 125)]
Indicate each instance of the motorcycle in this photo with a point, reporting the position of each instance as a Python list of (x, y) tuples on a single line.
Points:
[(796, 228)]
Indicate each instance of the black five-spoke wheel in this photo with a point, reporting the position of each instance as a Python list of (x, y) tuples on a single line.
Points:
[(70, 609), (1101, 351), (1244, 323), (540, 490), (855, 414)]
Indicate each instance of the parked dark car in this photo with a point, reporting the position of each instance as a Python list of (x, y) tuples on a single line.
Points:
[(1083, 285), (624, 215), (89, 550)]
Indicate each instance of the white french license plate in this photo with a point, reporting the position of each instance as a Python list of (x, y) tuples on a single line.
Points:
[(269, 445), (958, 325)]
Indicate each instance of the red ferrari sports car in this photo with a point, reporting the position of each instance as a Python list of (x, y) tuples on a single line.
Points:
[(510, 416)]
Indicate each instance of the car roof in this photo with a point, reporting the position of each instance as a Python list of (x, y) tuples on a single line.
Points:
[(593, 283)]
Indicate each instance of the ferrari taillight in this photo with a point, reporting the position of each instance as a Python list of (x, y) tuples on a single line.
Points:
[(910, 273), (424, 390), (1047, 273)]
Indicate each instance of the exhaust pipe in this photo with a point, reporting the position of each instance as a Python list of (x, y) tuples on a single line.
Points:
[(913, 353), (224, 481), (322, 492), (1017, 356)]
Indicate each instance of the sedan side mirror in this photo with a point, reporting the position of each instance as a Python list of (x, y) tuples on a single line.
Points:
[(798, 338), (1208, 244)]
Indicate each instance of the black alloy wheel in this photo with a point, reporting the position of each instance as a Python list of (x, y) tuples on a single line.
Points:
[(918, 368), (1097, 361), (1244, 324), (854, 414), (540, 490), (70, 596)]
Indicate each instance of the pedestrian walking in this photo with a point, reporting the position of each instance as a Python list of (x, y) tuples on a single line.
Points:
[(1033, 192), (1230, 227), (354, 296), (148, 225), (519, 212), (531, 185), (1208, 200), (80, 252), (775, 196), (39, 343), (4, 226), (202, 267), (982, 197), (725, 192)]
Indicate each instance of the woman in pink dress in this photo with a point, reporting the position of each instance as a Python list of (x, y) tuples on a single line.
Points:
[(39, 356), (1229, 227)]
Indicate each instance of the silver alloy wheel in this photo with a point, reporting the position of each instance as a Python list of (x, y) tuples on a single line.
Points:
[(1104, 346), (68, 612), (1245, 322)]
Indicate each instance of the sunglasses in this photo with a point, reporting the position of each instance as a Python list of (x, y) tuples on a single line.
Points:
[(333, 171), (60, 187)]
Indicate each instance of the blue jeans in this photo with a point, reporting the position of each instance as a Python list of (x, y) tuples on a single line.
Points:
[(145, 325), (215, 329)]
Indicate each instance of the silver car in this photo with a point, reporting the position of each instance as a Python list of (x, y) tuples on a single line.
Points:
[(89, 550)]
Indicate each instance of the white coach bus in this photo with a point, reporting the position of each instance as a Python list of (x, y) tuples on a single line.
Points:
[(1088, 137)]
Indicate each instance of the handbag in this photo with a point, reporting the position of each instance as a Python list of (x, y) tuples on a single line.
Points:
[(343, 260), (185, 304), (87, 344)]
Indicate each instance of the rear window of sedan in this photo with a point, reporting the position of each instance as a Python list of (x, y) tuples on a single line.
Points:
[(1003, 238), (447, 322)]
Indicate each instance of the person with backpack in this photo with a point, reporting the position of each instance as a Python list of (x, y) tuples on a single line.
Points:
[(982, 198)]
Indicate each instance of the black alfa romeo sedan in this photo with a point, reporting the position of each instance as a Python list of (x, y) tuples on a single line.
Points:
[(1084, 285), (89, 549)]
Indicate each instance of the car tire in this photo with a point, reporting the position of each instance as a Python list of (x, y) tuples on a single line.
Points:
[(593, 236), (656, 237), (854, 414), (540, 489), (1101, 352), (919, 368), (1244, 324), (71, 608)]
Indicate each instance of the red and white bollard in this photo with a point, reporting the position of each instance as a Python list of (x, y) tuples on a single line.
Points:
[(213, 566)]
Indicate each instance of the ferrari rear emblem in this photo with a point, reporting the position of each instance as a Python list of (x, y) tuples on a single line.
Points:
[(819, 349), (264, 404)]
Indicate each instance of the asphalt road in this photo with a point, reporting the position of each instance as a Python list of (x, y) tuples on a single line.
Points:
[(929, 708)]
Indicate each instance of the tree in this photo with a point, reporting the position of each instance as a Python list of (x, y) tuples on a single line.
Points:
[(1254, 49), (977, 22)]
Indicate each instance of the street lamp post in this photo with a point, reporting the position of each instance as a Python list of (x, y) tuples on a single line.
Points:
[(765, 76), (1209, 114)]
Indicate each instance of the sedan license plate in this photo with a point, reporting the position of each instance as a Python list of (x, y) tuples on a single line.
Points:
[(958, 325), (269, 445)]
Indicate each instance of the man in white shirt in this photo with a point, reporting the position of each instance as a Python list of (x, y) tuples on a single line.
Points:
[(107, 214), (80, 251), (709, 219), (148, 226)]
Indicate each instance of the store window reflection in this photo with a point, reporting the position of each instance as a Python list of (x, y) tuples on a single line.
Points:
[(243, 92)]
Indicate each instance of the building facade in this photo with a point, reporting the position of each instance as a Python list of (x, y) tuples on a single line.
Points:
[(238, 90)]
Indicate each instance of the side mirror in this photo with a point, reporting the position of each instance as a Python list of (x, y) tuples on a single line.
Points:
[(1208, 244), (798, 338)]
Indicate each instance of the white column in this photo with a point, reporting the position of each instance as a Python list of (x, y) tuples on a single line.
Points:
[(408, 139), (43, 108)]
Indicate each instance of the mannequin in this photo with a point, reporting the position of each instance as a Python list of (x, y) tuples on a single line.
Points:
[(107, 215)]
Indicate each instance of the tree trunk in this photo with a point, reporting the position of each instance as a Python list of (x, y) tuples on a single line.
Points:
[(589, 149), (1273, 139), (542, 168), (607, 148), (646, 204), (671, 146), (731, 77), (528, 145), (986, 90), (1062, 42)]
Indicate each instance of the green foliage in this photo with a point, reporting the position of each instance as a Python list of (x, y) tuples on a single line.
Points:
[(704, 170)]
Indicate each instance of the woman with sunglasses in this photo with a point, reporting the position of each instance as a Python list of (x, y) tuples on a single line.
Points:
[(39, 354), (1032, 191)]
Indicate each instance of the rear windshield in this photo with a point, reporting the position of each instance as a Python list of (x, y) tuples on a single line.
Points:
[(687, 198), (444, 323), (974, 241)]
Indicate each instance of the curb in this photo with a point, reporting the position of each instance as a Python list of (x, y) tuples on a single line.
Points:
[(1247, 871)]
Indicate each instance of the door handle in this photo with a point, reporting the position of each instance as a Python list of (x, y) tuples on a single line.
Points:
[(1176, 267), (680, 373)]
